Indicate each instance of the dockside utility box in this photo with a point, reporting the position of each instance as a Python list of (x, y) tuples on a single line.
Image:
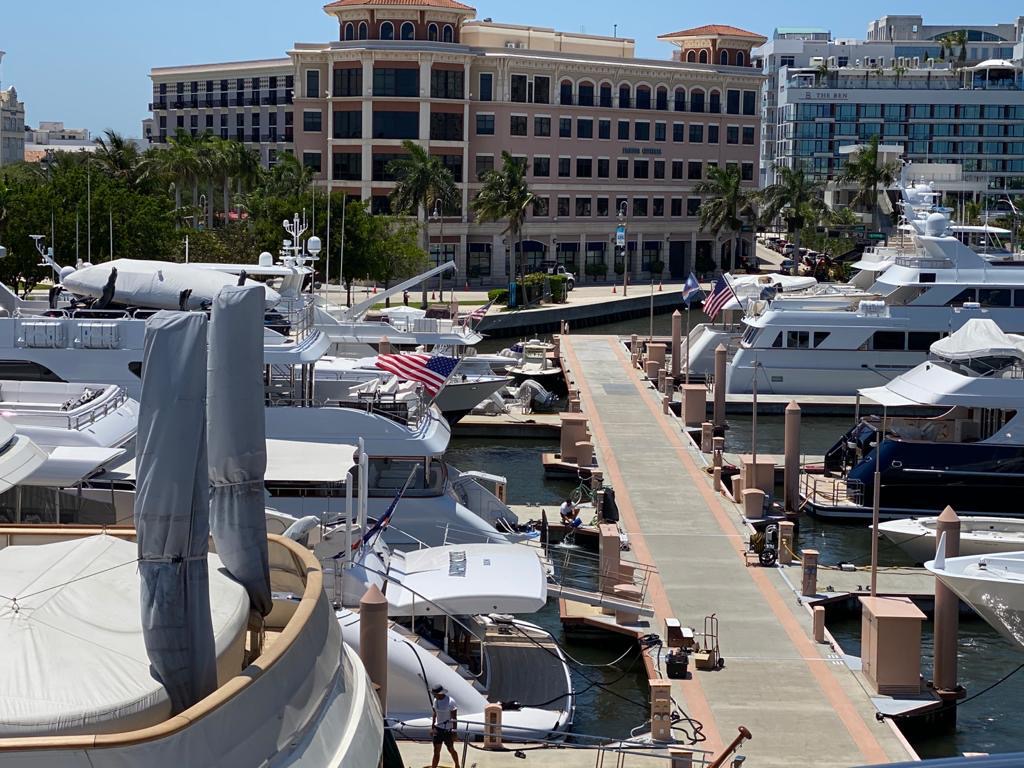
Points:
[(891, 645)]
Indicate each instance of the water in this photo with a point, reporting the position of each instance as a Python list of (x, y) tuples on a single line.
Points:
[(598, 711)]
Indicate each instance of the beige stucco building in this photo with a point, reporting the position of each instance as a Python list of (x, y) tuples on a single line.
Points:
[(606, 136)]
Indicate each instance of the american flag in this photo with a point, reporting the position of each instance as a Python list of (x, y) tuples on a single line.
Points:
[(477, 314), (432, 371), (718, 298)]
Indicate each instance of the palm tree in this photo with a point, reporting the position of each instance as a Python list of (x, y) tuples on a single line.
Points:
[(865, 171), (182, 163), (422, 183), (237, 163), (945, 44), (506, 196), (726, 204), (822, 73), (797, 198), (959, 39), (120, 158)]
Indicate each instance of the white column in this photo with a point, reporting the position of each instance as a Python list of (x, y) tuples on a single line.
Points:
[(367, 142)]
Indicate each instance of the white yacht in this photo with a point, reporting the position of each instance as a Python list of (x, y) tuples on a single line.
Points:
[(993, 585), (916, 536), (953, 434), (796, 347), (294, 694)]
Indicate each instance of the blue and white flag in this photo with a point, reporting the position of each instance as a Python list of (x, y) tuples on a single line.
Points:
[(690, 289)]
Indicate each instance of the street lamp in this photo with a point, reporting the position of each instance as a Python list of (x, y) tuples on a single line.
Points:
[(439, 218), (625, 249)]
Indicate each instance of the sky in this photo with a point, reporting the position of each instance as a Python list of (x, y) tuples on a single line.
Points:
[(87, 63)]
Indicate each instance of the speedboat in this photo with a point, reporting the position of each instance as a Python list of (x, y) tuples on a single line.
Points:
[(916, 536), (456, 622), (956, 438), (537, 366), (993, 585)]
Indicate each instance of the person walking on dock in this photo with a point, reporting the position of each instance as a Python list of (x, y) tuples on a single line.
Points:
[(443, 724)]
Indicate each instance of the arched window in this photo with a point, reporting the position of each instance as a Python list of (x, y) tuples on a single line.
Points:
[(661, 101), (680, 99), (448, 36), (715, 102), (565, 92), (691, 56), (606, 95), (408, 31), (740, 59), (643, 97), (696, 100), (703, 57), (432, 32), (364, 30), (350, 31), (586, 94), (387, 31), (723, 57), (625, 97)]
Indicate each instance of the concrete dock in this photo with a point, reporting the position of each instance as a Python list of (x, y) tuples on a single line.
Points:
[(803, 705)]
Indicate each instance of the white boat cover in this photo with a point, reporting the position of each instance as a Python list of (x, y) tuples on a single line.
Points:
[(172, 507), (979, 337), (66, 466), (73, 659), (295, 461), (157, 284), (467, 579), (19, 456), (236, 440)]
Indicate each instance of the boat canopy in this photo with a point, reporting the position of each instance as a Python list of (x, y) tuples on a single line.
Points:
[(299, 462), (74, 660), (979, 338)]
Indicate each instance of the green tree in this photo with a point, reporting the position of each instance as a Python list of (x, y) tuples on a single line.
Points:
[(796, 198), (506, 196), (119, 158), (394, 252), (865, 170), (727, 204), (423, 183), (959, 39), (183, 164), (238, 165)]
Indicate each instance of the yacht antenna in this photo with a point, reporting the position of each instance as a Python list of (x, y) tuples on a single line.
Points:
[(46, 254)]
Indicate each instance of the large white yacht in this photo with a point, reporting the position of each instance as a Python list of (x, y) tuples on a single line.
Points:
[(797, 347)]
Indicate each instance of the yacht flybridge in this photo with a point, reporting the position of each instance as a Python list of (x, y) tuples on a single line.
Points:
[(797, 347)]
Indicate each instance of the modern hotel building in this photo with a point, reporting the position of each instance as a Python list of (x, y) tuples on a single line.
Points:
[(908, 86), (602, 132)]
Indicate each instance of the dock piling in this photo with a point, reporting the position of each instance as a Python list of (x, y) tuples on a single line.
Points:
[(608, 557), (819, 623), (373, 640), (707, 431), (492, 727), (719, 410), (384, 346), (677, 344), (791, 495), (947, 612)]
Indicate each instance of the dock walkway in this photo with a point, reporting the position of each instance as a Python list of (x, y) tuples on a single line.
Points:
[(802, 704)]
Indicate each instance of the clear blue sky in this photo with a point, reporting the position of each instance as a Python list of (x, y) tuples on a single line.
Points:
[(86, 63)]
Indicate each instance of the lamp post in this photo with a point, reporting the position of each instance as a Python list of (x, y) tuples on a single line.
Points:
[(438, 216), (625, 248)]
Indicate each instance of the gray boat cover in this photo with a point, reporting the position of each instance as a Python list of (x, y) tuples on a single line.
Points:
[(237, 440), (172, 508)]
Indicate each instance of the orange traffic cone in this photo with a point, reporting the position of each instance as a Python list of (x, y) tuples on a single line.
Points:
[(433, 296), (467, 285), (661, 285), (613, 287), (375, 290)]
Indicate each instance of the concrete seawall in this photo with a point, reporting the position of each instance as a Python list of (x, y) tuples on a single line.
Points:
[(583, 315)]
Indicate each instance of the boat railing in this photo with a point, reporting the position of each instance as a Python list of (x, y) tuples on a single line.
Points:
[(297, 314), (634, 752), (921, 262), (827, 491), (581, 570), (97, 408)]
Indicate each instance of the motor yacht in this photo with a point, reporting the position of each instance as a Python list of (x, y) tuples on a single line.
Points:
[(993, 585), (917, 536), (952, 433), (795, 347)]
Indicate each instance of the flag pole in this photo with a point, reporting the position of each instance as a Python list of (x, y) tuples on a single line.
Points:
[(687, 379)]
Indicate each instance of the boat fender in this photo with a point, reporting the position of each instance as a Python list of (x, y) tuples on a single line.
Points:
[(502, 618)]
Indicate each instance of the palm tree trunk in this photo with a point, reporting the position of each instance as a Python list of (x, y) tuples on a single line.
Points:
[(795, 269), (210, 205), (177, 196), (227, 197)]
